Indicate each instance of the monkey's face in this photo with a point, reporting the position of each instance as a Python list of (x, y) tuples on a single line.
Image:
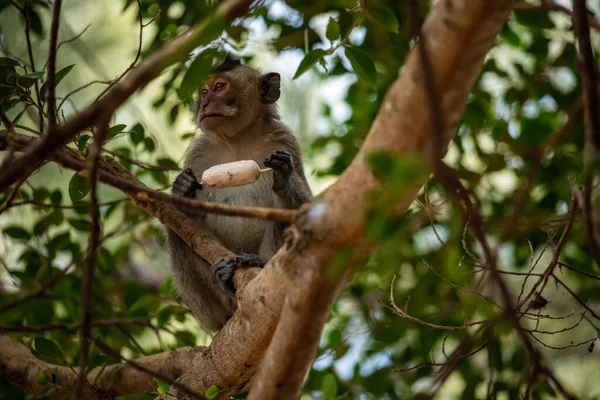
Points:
[(217, 106), (232, 101)]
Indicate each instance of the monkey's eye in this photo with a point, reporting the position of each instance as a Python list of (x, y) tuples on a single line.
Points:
[(219, 86), (204, 92)]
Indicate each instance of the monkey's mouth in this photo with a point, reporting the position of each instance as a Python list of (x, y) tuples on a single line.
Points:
[(202, 118)]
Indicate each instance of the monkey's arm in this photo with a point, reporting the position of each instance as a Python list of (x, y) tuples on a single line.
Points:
[(289, 183), (209, 302)]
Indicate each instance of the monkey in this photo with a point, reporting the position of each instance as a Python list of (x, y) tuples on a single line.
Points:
[(239, 120)]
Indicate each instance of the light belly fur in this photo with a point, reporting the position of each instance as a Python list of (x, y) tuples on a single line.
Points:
[(243, 235)]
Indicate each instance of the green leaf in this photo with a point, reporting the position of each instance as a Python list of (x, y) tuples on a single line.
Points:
[(55, 217), (174, 113), (33, 75), (40, 227), (164, 314), (42, 380), (149, 144), (28, 80), (106, 262), (385, 17), (16, 232), (333, 30), (160, 177), (40, 194), (188, 135), (362, 65), (329, 386), (115, 130), (82, 225), (168, 287), (146, 303), (48, 350), (35, 22), (79, 187), (18, 117), (137, 134), (308, 61), (196, 74), (59, 76), (8, 62), (167, 163), (82, 142), (56, 197), (510, 36), (60, 242), (400, 171), (163, 387), (212, 392)]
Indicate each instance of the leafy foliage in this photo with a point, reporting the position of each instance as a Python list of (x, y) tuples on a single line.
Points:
[(521, 135)]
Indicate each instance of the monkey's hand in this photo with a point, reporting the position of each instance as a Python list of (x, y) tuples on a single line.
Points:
[(186, 184), (283, 166), (224, 268)]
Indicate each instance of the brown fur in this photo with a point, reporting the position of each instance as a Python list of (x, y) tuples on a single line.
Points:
[(247, 130)]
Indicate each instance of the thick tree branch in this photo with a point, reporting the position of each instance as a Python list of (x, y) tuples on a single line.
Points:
[(459, 35), (18, 364), (175, 51)]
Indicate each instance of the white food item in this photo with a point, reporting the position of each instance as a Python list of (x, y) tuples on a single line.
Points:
[(231, 174)]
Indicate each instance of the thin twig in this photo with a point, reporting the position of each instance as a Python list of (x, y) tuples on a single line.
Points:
[(137, 55), (114, 98), (555, 254), (452, 360), (553, 6), (32, 63), (38, 293), (51, 79), (74, 38), (454, 186), (5, 120), (90, 266), (589, 82), (8, 202), (80, 89), (67, 159), (73, 327)]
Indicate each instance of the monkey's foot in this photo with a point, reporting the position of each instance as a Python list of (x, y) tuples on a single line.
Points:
[(251, 260), (222, 271)]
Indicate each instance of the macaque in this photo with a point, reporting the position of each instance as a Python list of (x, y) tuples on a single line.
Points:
[(237, 114)]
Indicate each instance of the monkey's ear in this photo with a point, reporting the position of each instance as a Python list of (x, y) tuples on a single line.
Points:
[(269, 87)]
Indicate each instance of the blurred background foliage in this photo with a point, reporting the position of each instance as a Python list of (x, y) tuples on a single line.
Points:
[(521, 135)]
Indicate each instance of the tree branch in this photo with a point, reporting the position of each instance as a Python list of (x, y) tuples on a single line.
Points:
[(25, 11), (90, 265), (460, 36), (553, 6), (52, 65), (175, 51), (589, 82), (18, 364)]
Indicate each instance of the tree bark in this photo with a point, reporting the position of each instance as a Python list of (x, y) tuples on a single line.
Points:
[(459, 34)]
